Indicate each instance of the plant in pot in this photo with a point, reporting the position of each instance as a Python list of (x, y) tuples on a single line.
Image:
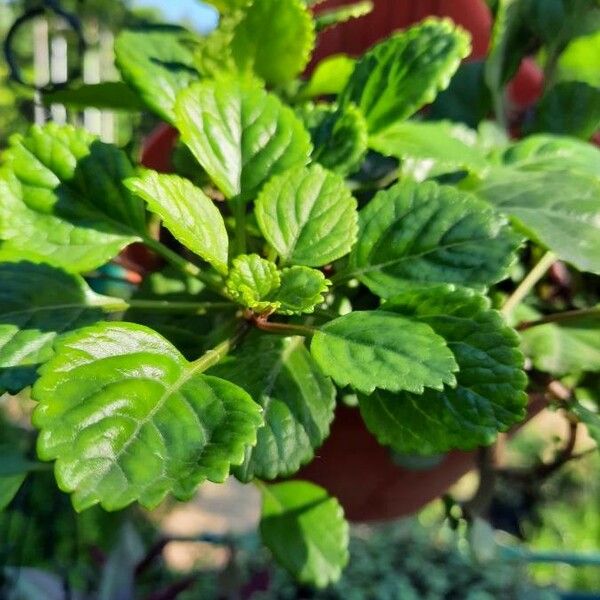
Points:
[(321, 253)]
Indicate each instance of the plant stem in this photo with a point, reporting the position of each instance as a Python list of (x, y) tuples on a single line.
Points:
[(211, 357), (571, 558), (185, 266), (166, 305), (284, 328), (239, 213), (567, 316), (530, 281)]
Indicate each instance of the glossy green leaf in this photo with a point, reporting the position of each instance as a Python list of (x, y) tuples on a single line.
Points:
[(274, 39), (339, 136), (212, 54), (343, 14), (301, 290), (403, 73), (571, 347), (427, 233), (568, 108), (552, 152), (329, 77), (38, 302), (558, 209), (127, 418), (371, 350), (62, 197), (308, 215), (489, 396), (158, 62), (444, 145), (113, 95), (240, 134), (253, 282), (187, 213), (305, 530), (297, 399)]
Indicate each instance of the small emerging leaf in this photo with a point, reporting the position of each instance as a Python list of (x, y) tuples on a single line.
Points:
[(301, 290), (305, 530), (329, 77), (253, 282), (381, 350), (127, 418)]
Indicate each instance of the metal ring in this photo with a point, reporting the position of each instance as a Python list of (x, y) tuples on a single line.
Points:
[(72, 21)]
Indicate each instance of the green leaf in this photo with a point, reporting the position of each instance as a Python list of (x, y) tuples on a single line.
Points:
[(343, 14), (467, 99), (568, 108), (62, 197), (580, 60), (330, 76), (274, 39), (38, 302), (240, 134), (444, 145), (14, 468), (297, 399), (114, 95), (427, 233), (489, 396), (558, 209), (301, 290), (571, 347), (511, 38), (187, 213), (158, 62), (403, 73), (339, 136), (552, 152), (128, 418), (308, 215), (380, 350), (253, 282), (305, 530)]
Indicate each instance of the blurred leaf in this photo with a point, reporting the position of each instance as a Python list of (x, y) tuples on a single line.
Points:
[(329, 77), (158, 62), (400, 75), (305, 530), (274, 39), (342, 14), (568, 108), (113, 95), (580, 61), (467, 99)]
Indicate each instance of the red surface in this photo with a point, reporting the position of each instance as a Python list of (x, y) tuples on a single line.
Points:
[(352, 466), (158, 147)]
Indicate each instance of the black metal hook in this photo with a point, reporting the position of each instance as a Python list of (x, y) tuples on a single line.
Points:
[(73, 22)]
